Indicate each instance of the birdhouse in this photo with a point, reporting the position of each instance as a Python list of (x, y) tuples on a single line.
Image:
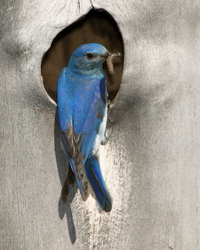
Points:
[(150, 162)]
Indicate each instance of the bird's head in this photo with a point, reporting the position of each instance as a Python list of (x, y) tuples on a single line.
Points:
[(88, 57)]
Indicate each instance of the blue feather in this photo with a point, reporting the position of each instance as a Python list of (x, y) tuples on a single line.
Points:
[(96, 180)]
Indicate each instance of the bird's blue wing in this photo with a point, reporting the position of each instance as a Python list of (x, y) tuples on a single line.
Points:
[(91, 116), (70, 140)]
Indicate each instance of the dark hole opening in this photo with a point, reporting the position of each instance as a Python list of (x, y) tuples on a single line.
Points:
[(98, 26)]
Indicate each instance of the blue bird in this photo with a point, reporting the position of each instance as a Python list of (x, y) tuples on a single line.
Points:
[(82, 115)]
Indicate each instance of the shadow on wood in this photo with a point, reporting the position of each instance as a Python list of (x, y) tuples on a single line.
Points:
[(64, 209)]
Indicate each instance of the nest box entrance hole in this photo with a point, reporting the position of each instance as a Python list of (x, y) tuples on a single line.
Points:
[(97, 26)]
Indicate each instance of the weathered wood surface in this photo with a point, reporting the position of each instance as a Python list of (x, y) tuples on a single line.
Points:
[(151, 163)]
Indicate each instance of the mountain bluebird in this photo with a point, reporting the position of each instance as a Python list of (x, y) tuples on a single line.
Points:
[(82, 114)]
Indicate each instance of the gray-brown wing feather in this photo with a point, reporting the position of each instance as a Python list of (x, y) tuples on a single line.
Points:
[(71, 144)]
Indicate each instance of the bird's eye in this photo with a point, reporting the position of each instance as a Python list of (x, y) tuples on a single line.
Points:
[(90, 55)]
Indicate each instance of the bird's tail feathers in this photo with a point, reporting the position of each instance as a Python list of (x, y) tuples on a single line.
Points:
[(97, 183)]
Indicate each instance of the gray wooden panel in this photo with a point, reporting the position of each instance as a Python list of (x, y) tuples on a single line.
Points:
[(151, 163)]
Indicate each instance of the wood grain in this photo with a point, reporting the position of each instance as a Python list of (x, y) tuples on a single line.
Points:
[(151, 162)]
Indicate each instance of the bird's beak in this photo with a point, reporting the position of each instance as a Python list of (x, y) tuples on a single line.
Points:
[(108, 54), (105, 55)]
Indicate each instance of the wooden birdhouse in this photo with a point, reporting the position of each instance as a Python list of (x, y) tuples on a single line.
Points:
[(151, 161)]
